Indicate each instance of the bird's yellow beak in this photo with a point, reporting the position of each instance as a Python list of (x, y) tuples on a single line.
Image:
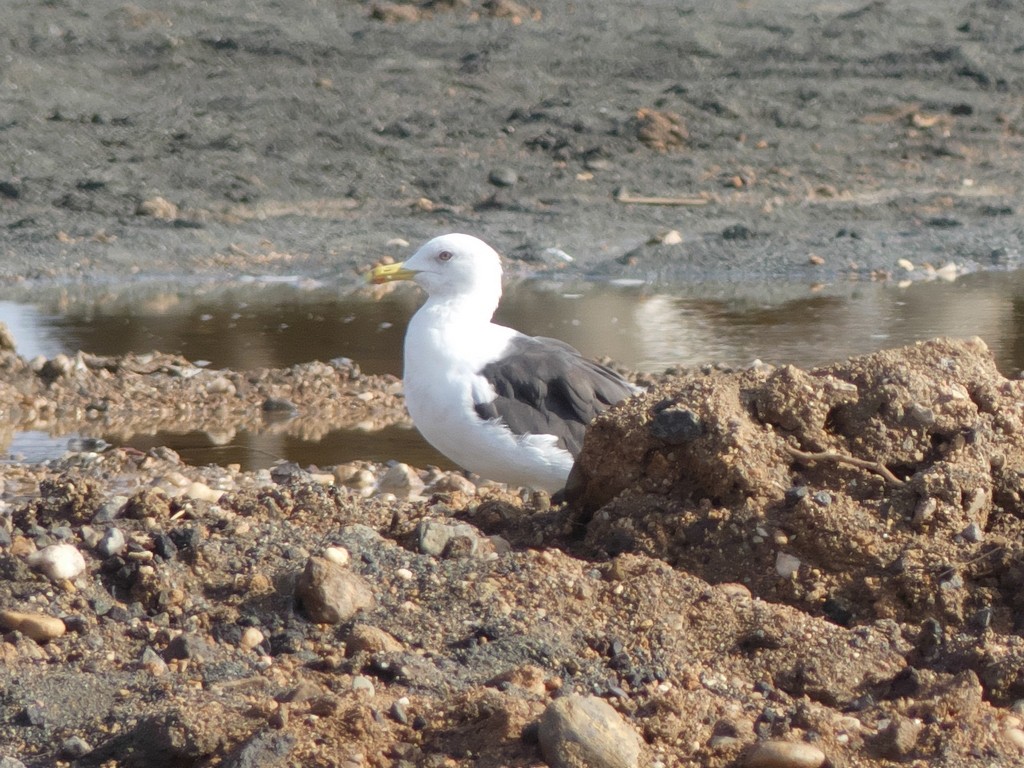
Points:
[(385, 273)]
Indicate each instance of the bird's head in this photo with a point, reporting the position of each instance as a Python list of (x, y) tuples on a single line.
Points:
[(453, 265)]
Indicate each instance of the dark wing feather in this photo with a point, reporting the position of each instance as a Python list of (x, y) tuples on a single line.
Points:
[(544, 386)]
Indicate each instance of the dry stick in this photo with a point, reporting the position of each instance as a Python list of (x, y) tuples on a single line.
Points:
[(622, 196), (841, 458)]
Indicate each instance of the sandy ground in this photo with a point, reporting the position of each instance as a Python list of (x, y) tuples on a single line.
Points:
[(768, 567), (781, 140)]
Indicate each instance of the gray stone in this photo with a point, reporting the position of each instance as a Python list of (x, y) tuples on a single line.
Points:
[(331, 594), (503, 177), (264, 750), (586, 732), (675, 424), (436, 538), (75, 747)]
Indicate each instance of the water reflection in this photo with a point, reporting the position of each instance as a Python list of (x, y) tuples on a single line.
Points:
[(638, 327)]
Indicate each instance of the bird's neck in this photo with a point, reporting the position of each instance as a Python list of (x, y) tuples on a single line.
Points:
[(463, 309)]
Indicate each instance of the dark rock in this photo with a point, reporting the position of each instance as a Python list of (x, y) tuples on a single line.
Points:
[(675, 424)]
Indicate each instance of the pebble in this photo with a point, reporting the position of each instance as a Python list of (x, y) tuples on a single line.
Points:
[(75, 747), (188, 646), (58, 561), (503, 177), (220, 386), (203, 492), (11, 762), (152, 663), (586, 732), (112, 543), (786, 565), (110, 509), (337, 555), (251, 638), (454, 482), (784, 754), (436, 538), (33, 625), (675, 424), (401, 480), (666, 237), (362, 685), (899, 738), (973, 533), (1016, 737), (331, 594), (364, 637)]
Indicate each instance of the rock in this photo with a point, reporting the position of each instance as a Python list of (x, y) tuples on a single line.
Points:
[(586, 732), (363, 686), (152, 663), (1014, 735), (58, 561), (33, 625), (786, 565), (75, 747), (188, 646), (675, 424), (11, 762), (437, 538), (364, 637), (401, 480), (337, 555), (331, 594), (251, 638), (202, 492), (112, 543), (110, 509), (454, 482), (503, 177), (783, 754), (899, 738), (263, 750)]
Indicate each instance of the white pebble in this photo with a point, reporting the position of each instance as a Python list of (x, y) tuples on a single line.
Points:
[(58, 561), (404, 574), (337, 555)]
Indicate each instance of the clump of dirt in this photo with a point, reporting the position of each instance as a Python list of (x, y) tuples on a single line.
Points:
[(885, 487), (823, 564)]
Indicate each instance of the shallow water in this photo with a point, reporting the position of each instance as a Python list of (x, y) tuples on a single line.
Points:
[(636, 326)]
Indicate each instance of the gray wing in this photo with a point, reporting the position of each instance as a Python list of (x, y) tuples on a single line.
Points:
[(546, 387)]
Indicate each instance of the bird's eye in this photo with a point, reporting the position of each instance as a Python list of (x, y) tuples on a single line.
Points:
[(444, 256)]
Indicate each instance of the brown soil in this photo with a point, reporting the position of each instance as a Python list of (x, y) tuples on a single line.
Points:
[(829, 557)]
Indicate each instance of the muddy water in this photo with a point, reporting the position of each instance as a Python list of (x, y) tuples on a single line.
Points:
[(638, 327)]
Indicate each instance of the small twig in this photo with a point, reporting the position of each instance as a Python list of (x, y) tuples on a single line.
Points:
[(622, 196), (841, 458)]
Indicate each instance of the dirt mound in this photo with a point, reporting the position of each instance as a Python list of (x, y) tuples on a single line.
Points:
[(886, 487)]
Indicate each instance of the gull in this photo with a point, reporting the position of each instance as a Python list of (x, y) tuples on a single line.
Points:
[(510, 407)]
